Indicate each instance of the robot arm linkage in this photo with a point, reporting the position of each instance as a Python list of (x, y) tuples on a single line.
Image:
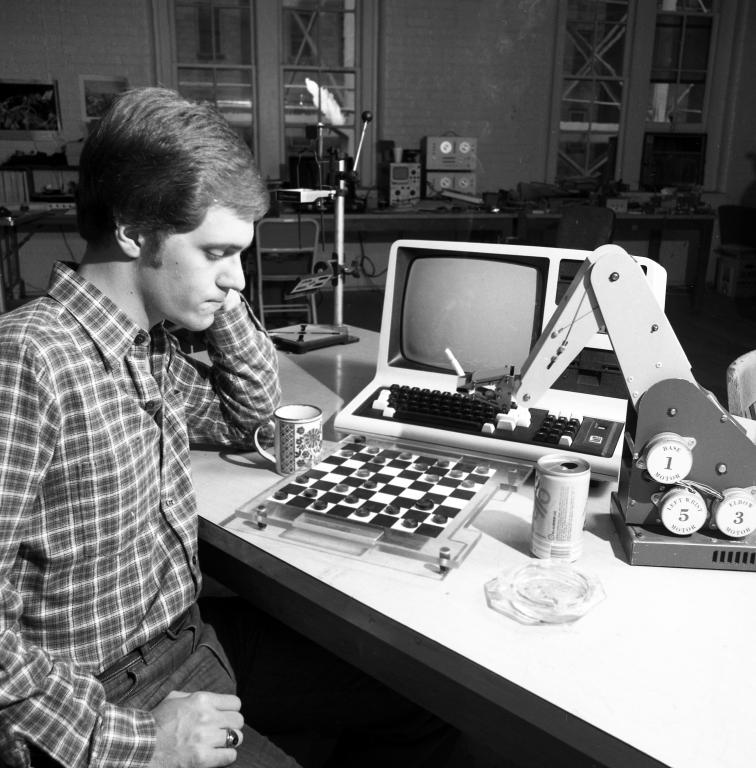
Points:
[(609, 292), (688, 462)]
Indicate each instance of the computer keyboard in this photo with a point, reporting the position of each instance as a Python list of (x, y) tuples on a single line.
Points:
[(462, 413)]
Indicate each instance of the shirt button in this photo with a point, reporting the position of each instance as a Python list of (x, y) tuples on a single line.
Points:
[(170, 501)]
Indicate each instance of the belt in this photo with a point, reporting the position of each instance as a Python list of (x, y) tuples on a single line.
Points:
[(143, 651)]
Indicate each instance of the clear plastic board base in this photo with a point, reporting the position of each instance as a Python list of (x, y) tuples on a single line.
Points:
[(392, 504)]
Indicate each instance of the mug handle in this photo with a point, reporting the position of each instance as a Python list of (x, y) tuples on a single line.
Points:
[(262, 451)]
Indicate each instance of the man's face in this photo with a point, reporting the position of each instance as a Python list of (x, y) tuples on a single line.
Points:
[(187, 279)]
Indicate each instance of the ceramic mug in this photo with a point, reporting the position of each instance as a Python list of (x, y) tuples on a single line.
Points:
[(297, 438)]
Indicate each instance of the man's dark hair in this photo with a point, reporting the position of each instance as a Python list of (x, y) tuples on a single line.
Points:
[(157, 162)]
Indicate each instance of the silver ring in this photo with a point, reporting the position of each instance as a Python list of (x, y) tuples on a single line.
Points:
[(232, 738)]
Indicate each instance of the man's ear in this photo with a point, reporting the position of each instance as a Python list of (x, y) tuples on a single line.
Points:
[(129, 240)]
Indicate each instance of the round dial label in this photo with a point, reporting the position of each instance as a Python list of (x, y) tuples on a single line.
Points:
[(668, 459), (683, 511), (735, 515)]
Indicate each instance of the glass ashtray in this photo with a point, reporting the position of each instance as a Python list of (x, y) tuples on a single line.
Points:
[(545, 592)]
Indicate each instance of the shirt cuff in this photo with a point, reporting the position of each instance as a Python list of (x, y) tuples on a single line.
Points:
[(124, 737)]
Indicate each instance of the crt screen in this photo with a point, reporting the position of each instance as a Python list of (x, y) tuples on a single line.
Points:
[(488, 312)]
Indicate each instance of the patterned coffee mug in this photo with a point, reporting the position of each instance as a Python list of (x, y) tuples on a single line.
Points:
[(297, 438)]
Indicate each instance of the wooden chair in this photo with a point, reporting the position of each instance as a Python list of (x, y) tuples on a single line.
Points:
[(284, 250), (741, 386)]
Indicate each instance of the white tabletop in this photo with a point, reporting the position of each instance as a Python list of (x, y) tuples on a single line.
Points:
[(662, 663)]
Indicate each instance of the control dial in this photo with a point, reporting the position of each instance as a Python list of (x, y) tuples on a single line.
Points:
[(735, 514), (668, 458), (683, 511)]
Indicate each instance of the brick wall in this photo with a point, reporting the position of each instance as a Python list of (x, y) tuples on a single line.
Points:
[(63, 39)]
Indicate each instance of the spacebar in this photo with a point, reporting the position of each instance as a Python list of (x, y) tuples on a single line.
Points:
[(437, 422)]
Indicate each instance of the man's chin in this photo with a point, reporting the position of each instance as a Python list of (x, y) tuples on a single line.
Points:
[(196, 323)]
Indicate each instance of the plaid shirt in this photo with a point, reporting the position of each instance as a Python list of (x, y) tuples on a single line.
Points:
[(98, 524)]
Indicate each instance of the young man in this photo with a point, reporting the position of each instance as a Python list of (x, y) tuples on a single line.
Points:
[(104, 657), (98, 527)]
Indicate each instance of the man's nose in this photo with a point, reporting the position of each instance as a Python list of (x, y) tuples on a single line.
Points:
[(232, 274)]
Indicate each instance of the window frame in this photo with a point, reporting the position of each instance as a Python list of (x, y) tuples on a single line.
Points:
[(268, 109), (633, 123)]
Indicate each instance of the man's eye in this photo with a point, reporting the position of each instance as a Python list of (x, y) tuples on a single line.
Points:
[(215, 254)]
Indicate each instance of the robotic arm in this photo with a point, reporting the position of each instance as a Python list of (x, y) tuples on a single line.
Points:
[(688, 464), (609, 292)]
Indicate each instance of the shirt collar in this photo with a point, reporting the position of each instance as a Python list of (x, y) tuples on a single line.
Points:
[(110, 328)]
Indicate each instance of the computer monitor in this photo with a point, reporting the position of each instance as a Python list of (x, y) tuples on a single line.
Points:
[(486, 309), (488, 304)]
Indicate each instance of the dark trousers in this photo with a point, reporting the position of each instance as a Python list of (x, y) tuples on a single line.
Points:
[(187, 658), (301, 704), (316, 707)]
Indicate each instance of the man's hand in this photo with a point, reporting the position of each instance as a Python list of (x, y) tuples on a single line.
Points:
[(191, 730), (232, 299)]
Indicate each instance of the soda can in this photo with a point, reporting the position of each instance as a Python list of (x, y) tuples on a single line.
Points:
[(561, 494)]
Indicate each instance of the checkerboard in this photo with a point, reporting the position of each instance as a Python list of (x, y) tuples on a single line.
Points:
[(394, 504)]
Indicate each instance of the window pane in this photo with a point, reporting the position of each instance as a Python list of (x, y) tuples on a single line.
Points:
[(667, 44), (586, 10), (318, 39), (211, 36), (592, 85), (301, 106), (696, 51), (209, 31), (697, 6), (319, 46), (233, 35), (300, 38), (676, 103), (681, 49), (586, 101), (326, 5), (679, 66), (187, 34), (197, 84), (595, 49), (582, 154)]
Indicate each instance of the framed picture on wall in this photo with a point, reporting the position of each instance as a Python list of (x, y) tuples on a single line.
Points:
[(29, 109), (97, 92)]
